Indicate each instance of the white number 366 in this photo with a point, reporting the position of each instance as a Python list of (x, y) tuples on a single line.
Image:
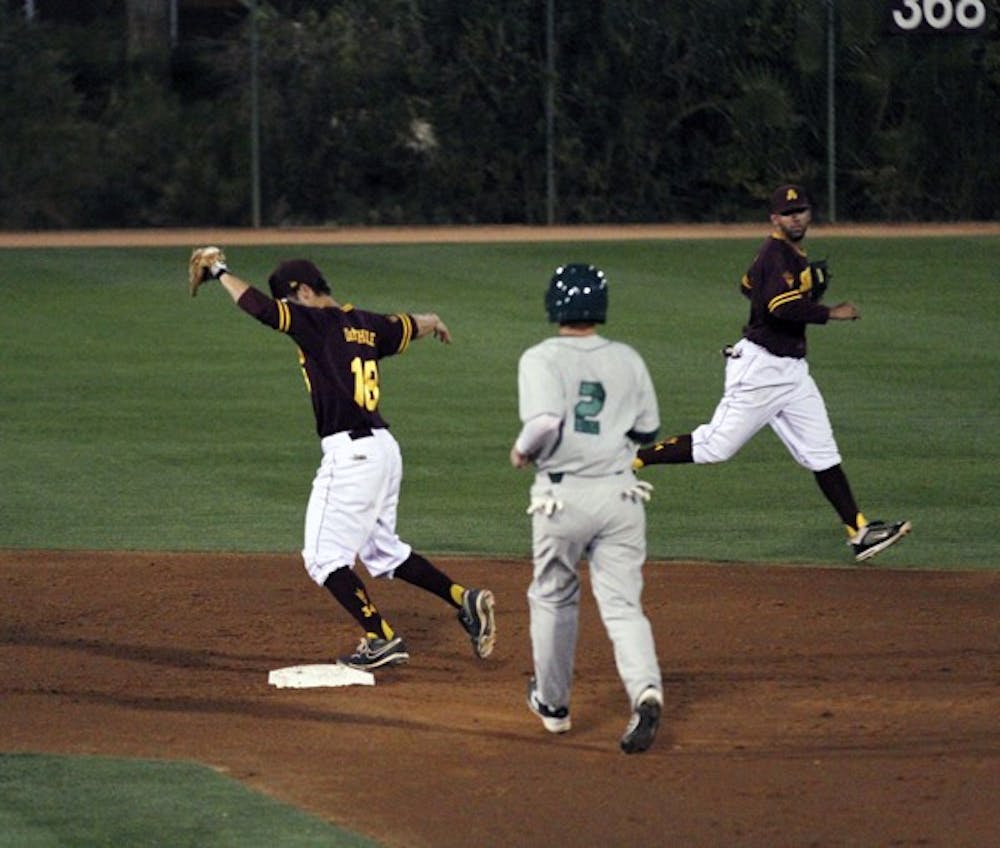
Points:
[(939, 14)]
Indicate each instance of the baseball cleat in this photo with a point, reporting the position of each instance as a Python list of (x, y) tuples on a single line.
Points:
[(554, 719), (374, 653), (476, 617), (645, 721), (876, 537)]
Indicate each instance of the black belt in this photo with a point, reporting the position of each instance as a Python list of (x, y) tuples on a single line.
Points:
[(557, 476), (359, 433)]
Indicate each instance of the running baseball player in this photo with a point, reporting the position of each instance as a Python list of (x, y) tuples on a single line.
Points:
[(767, 376), (351, 513), (585, 403)]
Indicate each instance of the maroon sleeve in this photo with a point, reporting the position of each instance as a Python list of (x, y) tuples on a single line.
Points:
[(285, 317), (396, 333), (785, 281), (265, 309)]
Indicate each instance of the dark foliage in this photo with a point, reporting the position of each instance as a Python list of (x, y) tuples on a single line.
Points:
[(420, 112)]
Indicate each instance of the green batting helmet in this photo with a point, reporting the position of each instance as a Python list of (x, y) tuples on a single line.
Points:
[(577, 294)]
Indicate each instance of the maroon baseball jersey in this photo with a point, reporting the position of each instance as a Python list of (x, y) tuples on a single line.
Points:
[(779, 284), (339, 350)]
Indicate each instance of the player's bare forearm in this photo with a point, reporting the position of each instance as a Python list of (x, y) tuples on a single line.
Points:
[(234, 285), (427, 323), (845, 311)]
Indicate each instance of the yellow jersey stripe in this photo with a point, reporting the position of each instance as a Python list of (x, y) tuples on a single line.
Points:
[(782, 299), (284, 316), (404, 343)]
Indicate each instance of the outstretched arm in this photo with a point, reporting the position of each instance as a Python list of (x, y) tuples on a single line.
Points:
[(428, 322), (233, 284), (209, 263)]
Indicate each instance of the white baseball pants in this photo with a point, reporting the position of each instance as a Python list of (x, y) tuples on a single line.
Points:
[(764, 389), (351, 512)]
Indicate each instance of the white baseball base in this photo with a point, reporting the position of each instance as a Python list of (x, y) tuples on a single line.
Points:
[(313, 676)]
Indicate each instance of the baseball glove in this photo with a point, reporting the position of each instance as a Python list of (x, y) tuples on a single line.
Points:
[(205, 263), (820, 278)]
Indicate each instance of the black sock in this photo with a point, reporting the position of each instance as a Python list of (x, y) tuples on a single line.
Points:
[(676, 449), (833, 483), (350, 592), (420, 572)]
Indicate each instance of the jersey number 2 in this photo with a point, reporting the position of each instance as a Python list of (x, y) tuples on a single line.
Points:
[(365, 373), (588, 408)]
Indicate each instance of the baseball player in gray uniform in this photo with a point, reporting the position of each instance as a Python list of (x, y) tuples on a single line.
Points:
[(585, 402)]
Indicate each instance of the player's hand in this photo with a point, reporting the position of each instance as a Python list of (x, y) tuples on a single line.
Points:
[(518, 459), (545, 504), (441, 332), (639, 491), (845, 311), (427, 323)]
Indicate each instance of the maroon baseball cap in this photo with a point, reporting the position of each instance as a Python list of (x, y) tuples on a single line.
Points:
[(289, 275), (789, 198)]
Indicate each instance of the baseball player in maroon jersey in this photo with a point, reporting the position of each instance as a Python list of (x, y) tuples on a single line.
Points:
[(351, 514), (767, 377)]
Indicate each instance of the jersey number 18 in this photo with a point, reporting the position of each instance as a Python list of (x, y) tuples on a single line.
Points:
[(366, 390)]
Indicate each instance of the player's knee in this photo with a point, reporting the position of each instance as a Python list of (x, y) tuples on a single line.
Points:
[(819, 461), (319, 571), (713, 451)]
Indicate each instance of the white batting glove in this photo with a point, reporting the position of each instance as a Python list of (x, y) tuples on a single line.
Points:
[(639, 491), (545, 504)]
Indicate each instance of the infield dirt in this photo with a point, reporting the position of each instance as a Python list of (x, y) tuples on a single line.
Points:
[(476, 234), (804, 706)]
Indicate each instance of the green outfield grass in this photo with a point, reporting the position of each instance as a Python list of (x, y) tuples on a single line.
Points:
[(91, 801), (137, 418)]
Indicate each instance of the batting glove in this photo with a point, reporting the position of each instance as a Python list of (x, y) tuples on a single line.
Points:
[(545, 504), (639, 491)]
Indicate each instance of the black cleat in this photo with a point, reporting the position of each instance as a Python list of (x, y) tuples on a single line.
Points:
[(645, 721), (373, 652), (554, 719), (876, 537), (476, 617)]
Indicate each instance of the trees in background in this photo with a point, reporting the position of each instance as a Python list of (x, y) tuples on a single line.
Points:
[(432, 111)]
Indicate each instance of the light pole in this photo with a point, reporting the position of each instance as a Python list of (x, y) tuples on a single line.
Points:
[(831, 114), (254, 115), (550, 112)]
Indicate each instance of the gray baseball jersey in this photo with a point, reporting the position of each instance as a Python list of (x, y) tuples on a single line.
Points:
[(601, 391)]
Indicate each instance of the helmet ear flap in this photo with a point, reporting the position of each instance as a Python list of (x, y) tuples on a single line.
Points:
[(577, 294)]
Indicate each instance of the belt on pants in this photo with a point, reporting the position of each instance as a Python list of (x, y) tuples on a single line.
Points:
[(359, 433), (557, 476)]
